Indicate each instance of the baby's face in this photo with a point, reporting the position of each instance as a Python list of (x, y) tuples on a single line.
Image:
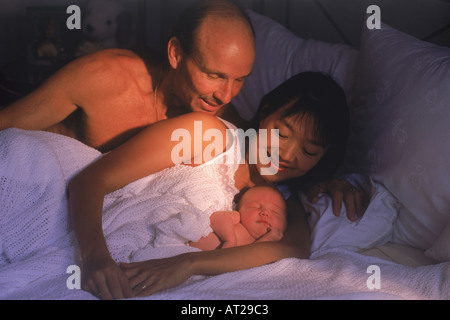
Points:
[(262, 209)]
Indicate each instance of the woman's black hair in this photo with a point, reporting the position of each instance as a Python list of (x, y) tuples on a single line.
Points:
[(191, 18), (317, 96)]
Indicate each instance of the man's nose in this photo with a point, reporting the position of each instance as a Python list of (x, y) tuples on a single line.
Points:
[(224, 93)]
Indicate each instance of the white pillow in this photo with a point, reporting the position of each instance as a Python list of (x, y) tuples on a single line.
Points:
[(440, 250), (400, 132), (373, 229), (280, 55)]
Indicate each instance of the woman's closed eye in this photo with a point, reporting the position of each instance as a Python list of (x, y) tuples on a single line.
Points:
[(280, 134), (309, 153)]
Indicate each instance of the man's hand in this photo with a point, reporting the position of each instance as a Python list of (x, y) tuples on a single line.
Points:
[(355, 200)]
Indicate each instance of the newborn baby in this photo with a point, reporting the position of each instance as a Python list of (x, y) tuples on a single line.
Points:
[(260, 216)]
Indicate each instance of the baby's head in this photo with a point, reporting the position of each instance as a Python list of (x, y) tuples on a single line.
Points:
[(262, 208)]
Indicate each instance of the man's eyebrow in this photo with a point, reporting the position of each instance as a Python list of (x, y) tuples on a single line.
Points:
[(248, 75), (219, 73), (205, 69)]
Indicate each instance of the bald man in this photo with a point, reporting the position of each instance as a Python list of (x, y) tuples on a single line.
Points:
[(105, 98)]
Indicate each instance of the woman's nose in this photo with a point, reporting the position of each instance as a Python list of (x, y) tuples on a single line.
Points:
[(288, 153)]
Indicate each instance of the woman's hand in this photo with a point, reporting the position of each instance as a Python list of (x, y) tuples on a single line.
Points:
[(102, 277), (355, 200), (151, 276)]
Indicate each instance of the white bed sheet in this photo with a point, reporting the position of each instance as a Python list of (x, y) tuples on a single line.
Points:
[(331, 273)]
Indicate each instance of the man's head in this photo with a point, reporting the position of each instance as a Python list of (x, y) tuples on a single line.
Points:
[(211, 51)]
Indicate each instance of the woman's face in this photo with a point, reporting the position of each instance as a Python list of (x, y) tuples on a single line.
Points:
[(298, 149)]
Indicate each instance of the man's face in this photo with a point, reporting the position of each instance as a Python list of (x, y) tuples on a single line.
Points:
[(214, 73)]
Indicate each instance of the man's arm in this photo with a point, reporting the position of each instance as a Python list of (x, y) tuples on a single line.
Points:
[(75, 85), (37, 110)]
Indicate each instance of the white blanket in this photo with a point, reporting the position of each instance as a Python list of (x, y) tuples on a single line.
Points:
[(334, 274), (374, 228), (163, 211), (34, 264)]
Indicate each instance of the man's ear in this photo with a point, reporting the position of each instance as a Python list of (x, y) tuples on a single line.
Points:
[(174, 52)]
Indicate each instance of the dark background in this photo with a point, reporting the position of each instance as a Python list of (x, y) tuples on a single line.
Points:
[(22, 25)]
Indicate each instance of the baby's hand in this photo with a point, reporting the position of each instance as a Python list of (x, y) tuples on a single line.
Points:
[(271, 235)]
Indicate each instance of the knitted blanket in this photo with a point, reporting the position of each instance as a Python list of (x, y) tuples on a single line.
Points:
[(39, 248), (162, 211)]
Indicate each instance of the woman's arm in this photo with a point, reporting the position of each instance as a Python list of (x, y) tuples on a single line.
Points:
[(152, 276), (146, 153)]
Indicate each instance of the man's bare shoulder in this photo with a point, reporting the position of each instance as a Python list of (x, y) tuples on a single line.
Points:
[(110, 61), (111, 71)]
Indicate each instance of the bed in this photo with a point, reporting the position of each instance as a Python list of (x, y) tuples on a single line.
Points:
[(398, 89)]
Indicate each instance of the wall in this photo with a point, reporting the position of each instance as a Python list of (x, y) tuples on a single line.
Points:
[(327, 20)]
